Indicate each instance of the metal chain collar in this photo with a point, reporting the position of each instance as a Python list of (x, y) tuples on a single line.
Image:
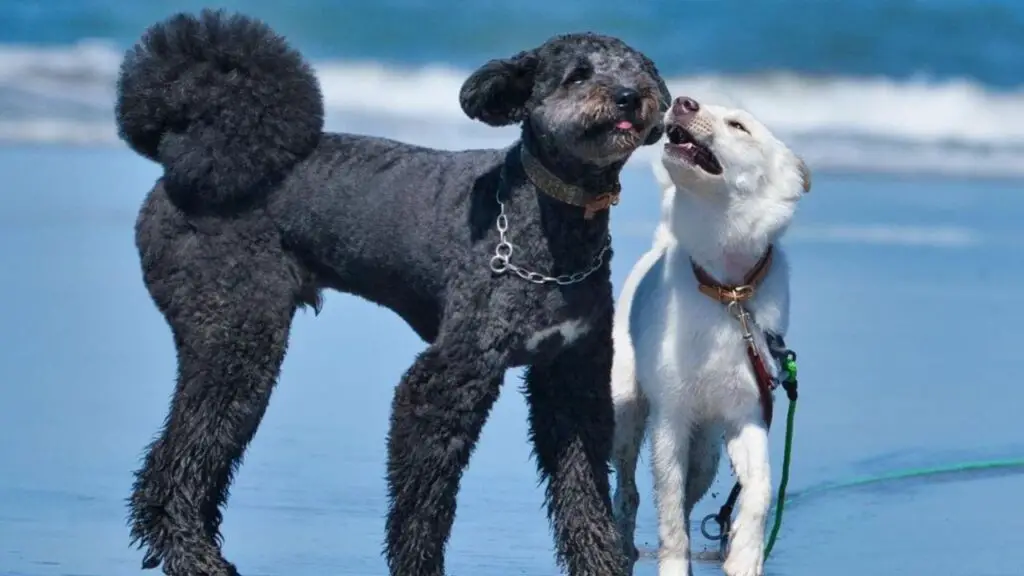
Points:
[(501, 261)]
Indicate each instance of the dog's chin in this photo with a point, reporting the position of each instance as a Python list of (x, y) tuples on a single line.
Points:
[(609, 144), (685, 175), (607, 139), (625, 139)]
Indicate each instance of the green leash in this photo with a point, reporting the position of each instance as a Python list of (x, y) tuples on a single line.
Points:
[(787, 457), (1004, 466), (788, 362)]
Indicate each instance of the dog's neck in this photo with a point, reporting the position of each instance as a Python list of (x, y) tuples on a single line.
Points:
[(572, 241), (725, 237), (565, 177), (555, 213)]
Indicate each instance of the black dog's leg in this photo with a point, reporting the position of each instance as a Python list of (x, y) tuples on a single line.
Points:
[(572, 425), (230, 311), (438, 412)]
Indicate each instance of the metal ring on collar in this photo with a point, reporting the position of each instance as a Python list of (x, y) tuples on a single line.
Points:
[(499, 264)]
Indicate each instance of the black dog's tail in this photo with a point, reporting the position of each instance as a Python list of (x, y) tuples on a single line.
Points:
[(222, 102)]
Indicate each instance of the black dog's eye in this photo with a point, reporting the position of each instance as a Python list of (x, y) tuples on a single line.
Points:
[(578, 75), (735, 124)]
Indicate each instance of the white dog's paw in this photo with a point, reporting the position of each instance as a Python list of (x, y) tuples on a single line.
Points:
[(744, 560)]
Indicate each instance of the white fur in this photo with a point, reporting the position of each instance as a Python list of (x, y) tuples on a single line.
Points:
[(680, 361), (570, 330)]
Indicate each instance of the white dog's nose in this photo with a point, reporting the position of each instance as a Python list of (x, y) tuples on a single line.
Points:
[(684, 105)]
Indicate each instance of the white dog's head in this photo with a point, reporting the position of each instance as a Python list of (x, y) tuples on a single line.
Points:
[(726, 153), (730, 186)]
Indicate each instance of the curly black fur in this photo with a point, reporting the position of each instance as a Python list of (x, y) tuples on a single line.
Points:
[(194, 95), (257, 211)]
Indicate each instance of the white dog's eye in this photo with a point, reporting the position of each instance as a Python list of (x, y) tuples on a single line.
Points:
[(737, 125)]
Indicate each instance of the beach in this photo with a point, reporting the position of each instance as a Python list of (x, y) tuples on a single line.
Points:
[(907, 261), (904, 318)]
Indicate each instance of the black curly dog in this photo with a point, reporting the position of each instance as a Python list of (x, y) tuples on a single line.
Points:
[(258, 210)]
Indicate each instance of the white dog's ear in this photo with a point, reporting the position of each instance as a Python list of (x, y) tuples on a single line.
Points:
[(805, 174)]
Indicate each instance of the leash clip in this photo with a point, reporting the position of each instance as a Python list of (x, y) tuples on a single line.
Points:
[(740, 313), (785, 359)]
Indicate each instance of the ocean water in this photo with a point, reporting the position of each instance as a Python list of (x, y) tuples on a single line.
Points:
[(908, 258), (863, 85)]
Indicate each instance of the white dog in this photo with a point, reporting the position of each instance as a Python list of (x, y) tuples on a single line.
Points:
[(714, 281)]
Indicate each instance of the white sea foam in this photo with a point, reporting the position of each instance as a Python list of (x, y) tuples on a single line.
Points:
[(65, 95)]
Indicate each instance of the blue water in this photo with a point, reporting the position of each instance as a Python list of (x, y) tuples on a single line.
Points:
[(905, 316), (905, 282), (893, 86), (978, 40)]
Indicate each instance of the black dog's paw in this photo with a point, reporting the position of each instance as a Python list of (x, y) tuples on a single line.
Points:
[(180, 552), (151, 560), (202, 560)]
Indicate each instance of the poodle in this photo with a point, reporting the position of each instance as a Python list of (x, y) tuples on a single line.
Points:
[(495, 258), (699, 314)]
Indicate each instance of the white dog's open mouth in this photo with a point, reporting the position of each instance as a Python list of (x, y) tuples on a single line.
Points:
[(684, 146)]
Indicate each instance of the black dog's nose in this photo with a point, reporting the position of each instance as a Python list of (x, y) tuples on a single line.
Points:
[(684, 105), (627, 99)]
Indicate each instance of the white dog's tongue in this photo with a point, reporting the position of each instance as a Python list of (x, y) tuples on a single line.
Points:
[(624, 125)]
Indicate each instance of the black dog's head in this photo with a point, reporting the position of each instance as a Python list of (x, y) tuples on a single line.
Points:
[(587, 96)]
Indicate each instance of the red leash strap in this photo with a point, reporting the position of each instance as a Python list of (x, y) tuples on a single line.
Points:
[(734, 297), (764, 382)]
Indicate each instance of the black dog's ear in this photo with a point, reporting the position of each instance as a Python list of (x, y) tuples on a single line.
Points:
[(497, 92), (664, 101)]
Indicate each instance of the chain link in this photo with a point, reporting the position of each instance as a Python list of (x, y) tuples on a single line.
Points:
[(501, 261)]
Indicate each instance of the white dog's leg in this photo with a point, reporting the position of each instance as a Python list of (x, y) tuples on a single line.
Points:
[(670, 459), (747, 445), (705, 452), (630, 420)]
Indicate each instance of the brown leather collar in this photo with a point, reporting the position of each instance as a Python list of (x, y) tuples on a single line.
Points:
[(558, 189), (729, 294)]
